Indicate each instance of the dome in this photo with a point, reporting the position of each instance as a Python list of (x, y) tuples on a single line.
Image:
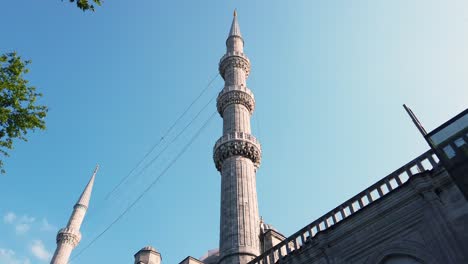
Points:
[(149, 248), (264, 227)]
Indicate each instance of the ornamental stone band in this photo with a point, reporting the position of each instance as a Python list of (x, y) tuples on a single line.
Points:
[(68, 236), (239, 147), (235, 97), (234, 61)]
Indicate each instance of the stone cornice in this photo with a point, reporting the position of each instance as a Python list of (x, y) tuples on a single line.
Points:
[(226, 98), (237, 144)]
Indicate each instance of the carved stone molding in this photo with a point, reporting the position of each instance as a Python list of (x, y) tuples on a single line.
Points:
[(68, 236), (237, 147), (235, 97), (234, 62)]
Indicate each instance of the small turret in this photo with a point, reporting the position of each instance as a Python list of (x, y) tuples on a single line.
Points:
[(148, 255)]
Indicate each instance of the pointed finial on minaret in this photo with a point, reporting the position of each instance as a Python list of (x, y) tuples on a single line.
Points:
[(235, 12), (96, 169), (86, 195)]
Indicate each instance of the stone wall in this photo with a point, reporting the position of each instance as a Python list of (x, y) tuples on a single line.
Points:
[(423, 221)]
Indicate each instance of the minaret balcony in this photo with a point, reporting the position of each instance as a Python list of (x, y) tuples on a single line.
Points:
[(69, 236), (235, 94), (237, 144), (234, 59)]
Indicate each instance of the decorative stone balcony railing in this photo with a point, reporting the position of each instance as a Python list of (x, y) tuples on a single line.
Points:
[(237, 144), (236, 136), (368, 196), (242, 88)]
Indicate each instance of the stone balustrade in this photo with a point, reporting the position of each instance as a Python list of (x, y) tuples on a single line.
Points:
[(229, 88), (424, 162), (236, 136)]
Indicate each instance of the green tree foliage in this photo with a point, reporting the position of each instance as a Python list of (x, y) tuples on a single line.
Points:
[(86, 5), (19, 111)]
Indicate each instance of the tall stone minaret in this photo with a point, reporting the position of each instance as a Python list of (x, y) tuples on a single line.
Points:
[(69, 237), (237, 156)]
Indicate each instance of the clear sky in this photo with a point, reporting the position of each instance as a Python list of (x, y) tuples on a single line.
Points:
[(329, 78)]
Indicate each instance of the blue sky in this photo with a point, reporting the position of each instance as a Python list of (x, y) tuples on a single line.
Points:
[(329, 79)]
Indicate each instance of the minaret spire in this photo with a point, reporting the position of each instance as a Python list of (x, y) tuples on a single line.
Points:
[(69, 237), (86, 195), (237, 157), (235, 28)]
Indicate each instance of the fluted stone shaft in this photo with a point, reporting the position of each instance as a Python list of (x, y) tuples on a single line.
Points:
[(77, 217), (237, 157), (235, 42), (63, 252), (236, 119), (235, 76)]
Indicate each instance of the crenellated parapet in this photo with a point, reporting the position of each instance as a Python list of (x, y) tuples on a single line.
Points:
[(237, 144), (235, 95), (234, 59), (68, 236)]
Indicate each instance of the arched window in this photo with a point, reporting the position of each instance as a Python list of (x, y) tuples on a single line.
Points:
[(401, 259)]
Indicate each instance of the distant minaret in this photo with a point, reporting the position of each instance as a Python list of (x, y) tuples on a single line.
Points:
[(69, 237), (237, 156)]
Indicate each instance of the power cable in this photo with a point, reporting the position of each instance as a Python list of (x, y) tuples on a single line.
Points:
[(163, 137), (149, 187), (176, 137)]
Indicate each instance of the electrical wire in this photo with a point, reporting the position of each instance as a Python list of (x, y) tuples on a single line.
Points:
[(148, 188), (176, 137), (163, 137)]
